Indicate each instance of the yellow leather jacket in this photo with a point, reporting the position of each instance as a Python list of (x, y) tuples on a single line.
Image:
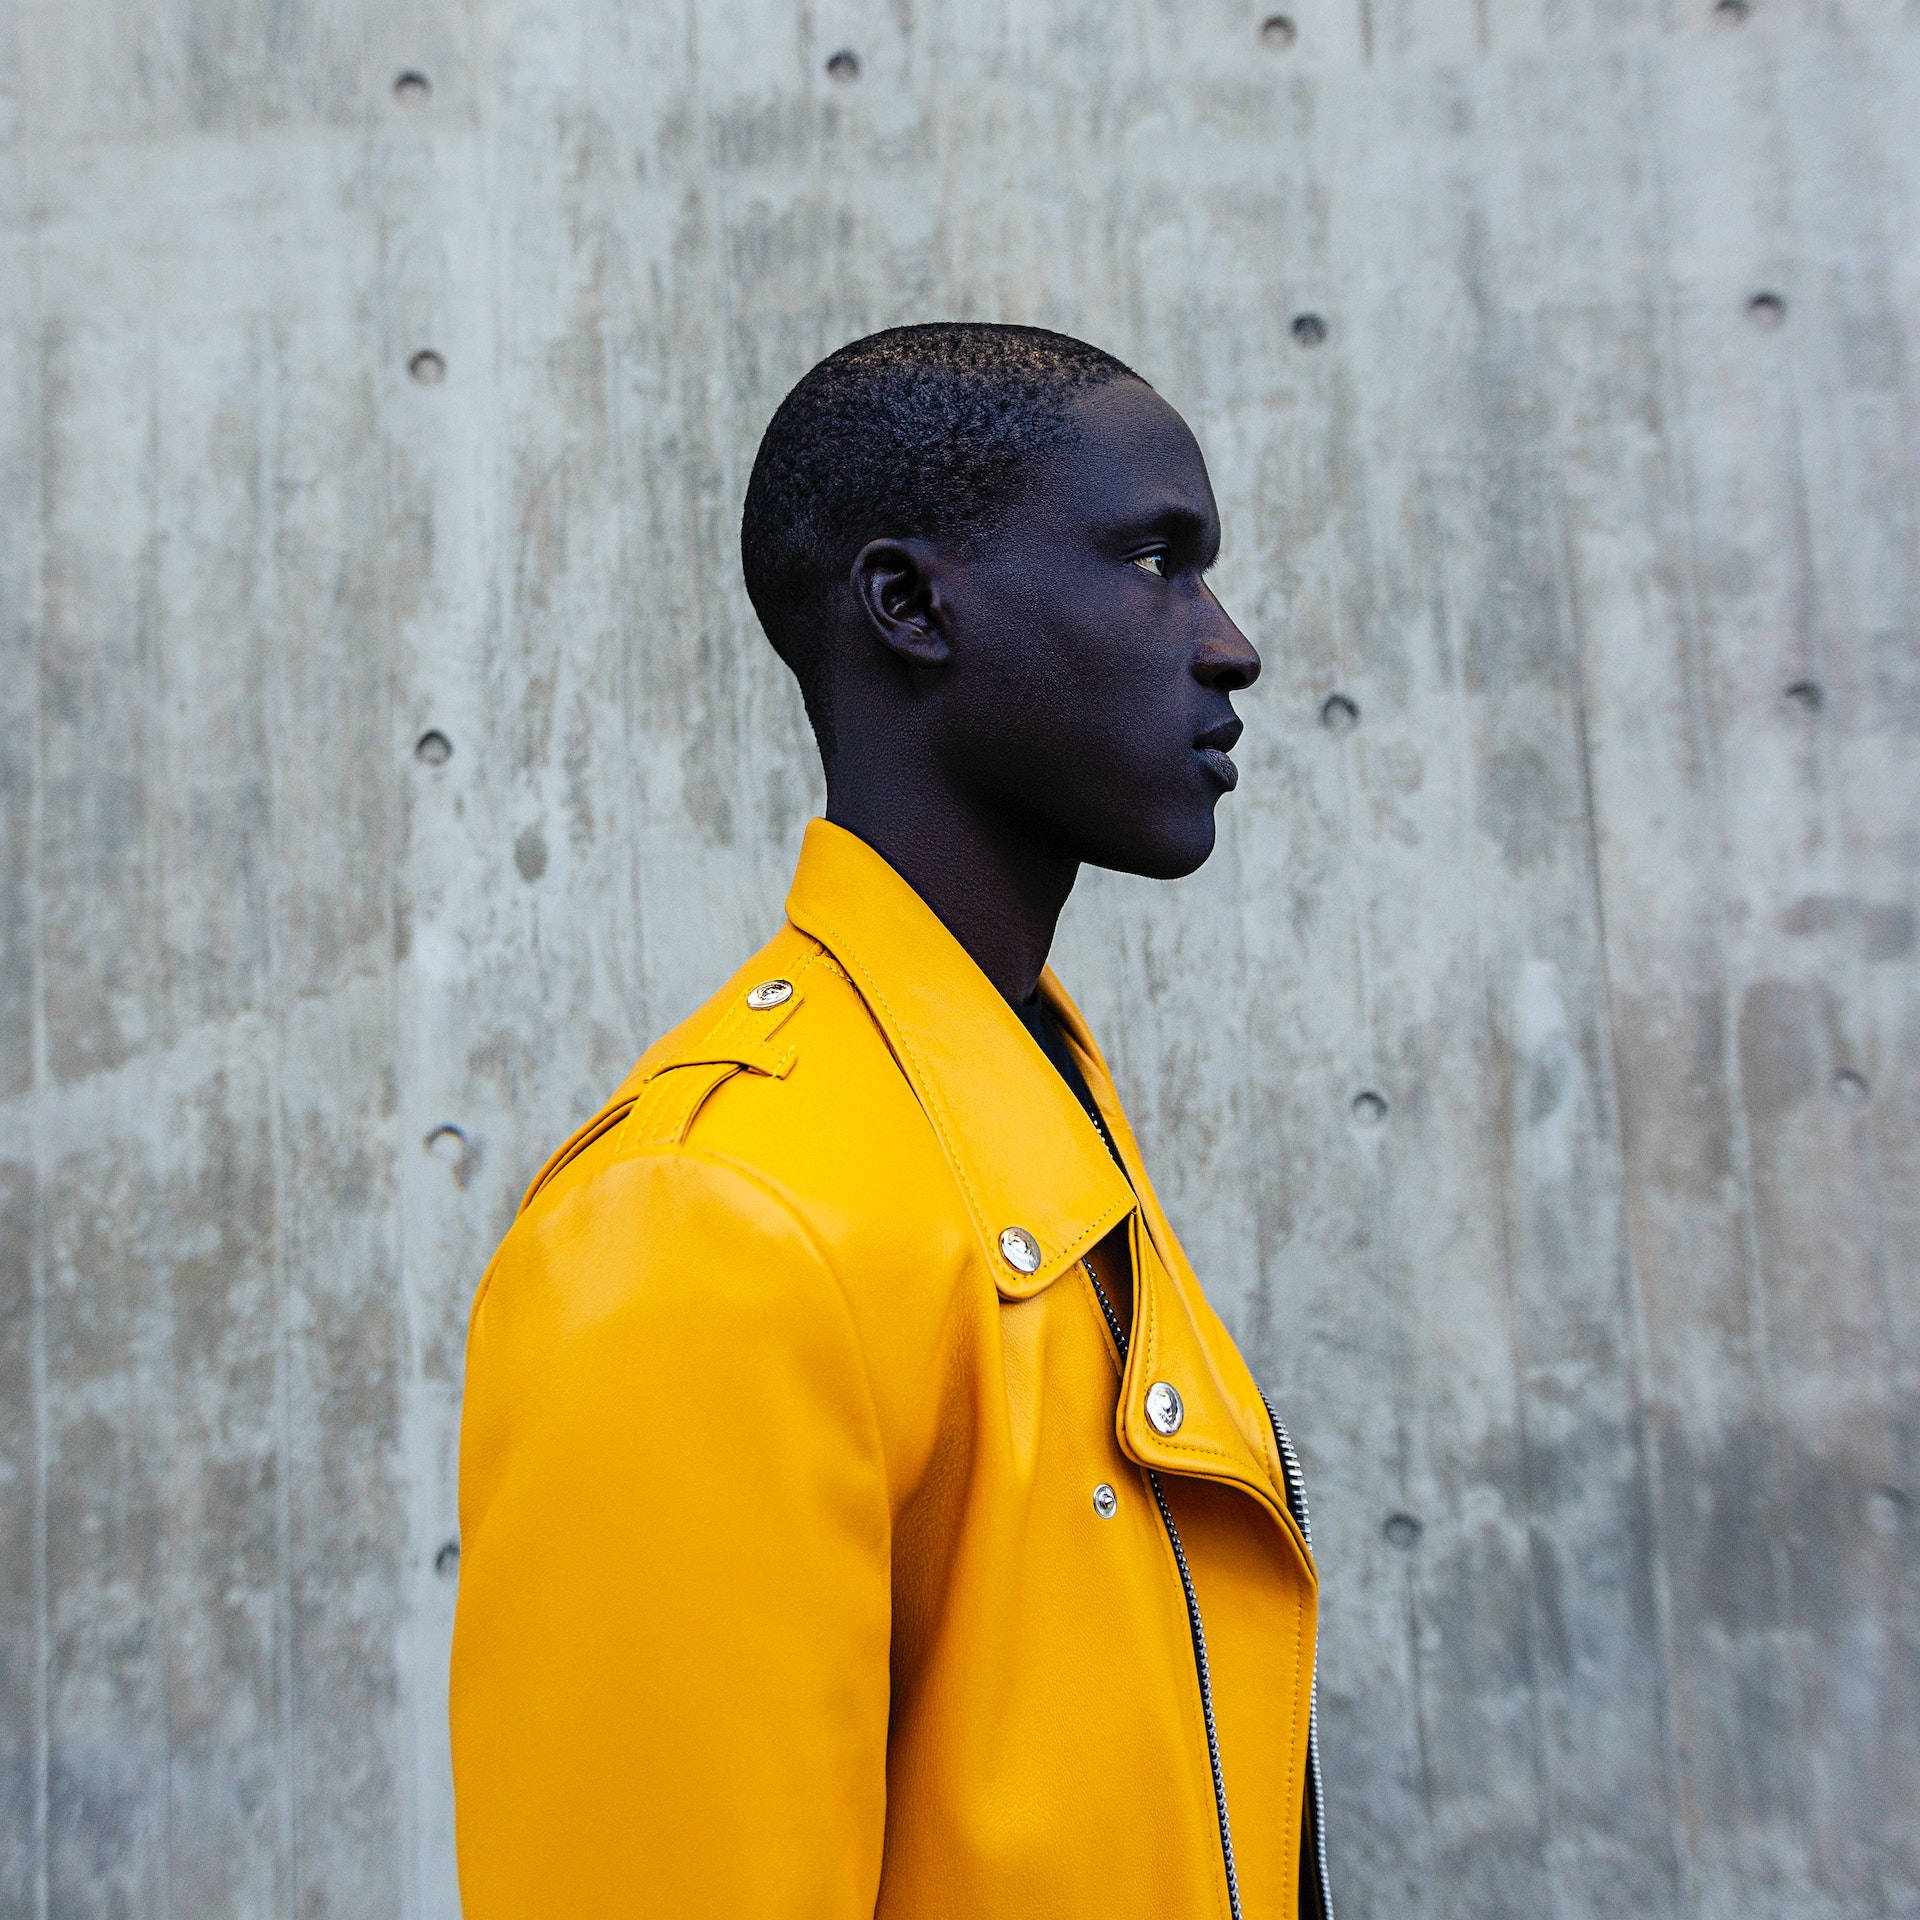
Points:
[(822, 1553)]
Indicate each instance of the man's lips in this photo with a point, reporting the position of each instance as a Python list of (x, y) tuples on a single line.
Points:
[(1220, 764), (1212, 748)]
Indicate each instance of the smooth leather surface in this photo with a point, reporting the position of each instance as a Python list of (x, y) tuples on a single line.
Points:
[(782, 1587)]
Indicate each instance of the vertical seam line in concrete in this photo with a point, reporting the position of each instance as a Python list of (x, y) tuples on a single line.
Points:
[(154, 746), (1695, 645), (287, 1811), (1626, 1271), (1380, 1236), (1831, 810), (1651, 1443), (1543, 1786), (1894, 1363), (1810, 638), (403, 1646), (37, 1279), (1790, 1651), (1674, 400)]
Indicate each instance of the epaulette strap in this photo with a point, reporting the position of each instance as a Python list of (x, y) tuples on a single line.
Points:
[(663, 1114), (741, 1041), (663, 1107)]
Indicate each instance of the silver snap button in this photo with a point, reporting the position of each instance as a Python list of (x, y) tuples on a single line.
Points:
[(1164, 1408), (769, 993), (1020, 1250), (1106, 1503)]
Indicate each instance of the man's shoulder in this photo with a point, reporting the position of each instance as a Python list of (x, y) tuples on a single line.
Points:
[(784, 1078), (765, 1159)]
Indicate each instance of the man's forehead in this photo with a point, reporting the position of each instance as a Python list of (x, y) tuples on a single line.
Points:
[(1134, 457), (1129, 415)]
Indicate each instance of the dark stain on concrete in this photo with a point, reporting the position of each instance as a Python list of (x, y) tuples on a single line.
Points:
[(1522, 805), (1883, 929), (1886, 932), (1782, 1029), (1895, 656)]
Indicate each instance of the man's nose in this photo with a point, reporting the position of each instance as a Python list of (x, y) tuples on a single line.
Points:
[(1226, 658)]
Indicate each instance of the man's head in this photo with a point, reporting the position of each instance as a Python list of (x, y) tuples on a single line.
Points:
[(980, 549)]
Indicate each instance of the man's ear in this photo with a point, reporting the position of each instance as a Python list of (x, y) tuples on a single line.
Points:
[(897, 587)]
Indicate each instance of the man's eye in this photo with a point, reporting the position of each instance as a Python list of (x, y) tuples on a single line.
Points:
[(1153, 563)]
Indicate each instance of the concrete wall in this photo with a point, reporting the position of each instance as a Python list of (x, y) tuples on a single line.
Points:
[(1535, 1073)]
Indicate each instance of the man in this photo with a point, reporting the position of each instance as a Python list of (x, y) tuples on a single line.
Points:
[(863, 1511)]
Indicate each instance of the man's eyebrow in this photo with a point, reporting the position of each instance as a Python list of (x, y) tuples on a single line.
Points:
[(1181, 526), (1175, 521)]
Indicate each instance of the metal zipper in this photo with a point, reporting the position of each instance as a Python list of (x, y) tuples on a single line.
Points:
[(1193, 1621), (1296, 1488), (1296, 1483)]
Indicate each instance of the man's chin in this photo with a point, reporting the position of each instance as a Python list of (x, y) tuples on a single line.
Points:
[(1159, 849)]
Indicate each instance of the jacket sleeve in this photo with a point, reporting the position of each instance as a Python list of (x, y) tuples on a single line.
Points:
[(670, 1667)]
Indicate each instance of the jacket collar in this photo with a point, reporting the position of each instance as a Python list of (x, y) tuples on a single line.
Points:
[(1020, 1147), (1022, 1151)]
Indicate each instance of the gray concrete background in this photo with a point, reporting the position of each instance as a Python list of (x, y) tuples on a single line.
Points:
[(1534, 1074)]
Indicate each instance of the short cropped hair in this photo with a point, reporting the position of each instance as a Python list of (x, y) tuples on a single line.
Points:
[(928, 432)]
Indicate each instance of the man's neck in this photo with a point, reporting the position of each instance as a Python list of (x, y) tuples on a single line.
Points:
[(995, 891)]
